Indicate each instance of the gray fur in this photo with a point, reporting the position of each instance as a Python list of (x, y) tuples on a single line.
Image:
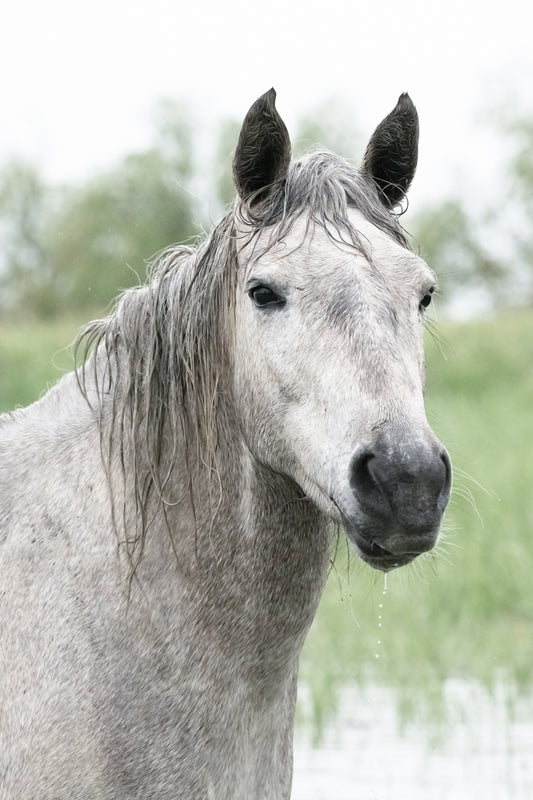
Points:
[(168, 511)]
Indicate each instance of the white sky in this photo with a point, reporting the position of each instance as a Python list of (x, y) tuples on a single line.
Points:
[(78, 80)]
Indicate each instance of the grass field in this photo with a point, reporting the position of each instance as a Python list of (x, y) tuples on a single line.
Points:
[(467, 609), (33, 355)]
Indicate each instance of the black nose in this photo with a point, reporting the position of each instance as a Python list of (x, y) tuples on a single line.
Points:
[(407, 485)]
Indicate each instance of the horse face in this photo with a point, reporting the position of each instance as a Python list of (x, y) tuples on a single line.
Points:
[(329, 377)]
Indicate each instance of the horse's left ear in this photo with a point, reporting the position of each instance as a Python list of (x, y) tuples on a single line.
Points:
[(392, 152), (263, 151)]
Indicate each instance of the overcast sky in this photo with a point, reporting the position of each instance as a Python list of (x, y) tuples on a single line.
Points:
[(79, 80)]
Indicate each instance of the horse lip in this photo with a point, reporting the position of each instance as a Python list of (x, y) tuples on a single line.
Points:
[(378, 557), (371, 548)]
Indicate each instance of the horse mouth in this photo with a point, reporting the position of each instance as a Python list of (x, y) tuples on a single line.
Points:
[(403, 544), (377, 556)]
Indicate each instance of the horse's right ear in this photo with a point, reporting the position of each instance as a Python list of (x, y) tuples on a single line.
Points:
[(263, 151)]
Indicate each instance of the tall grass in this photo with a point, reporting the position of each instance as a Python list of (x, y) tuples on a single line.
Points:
[(33, 356)]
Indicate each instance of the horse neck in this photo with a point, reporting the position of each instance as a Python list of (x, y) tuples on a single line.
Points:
[(249, 552), (270, 557)]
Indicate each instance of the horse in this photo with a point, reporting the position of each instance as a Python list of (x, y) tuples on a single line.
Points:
[(169, 509)]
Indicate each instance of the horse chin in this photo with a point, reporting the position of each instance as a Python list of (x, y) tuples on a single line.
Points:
[(382, 559)]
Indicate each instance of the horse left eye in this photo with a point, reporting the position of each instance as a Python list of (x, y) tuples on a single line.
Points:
[(263, 296), (426, 300)]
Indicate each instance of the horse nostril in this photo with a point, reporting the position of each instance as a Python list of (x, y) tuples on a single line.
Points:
[(445, 492), (397, 484), (359, 468), (365, 481), (447, 464), (360, 475)]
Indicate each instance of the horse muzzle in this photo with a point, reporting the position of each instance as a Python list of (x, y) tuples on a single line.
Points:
[(400, 493)]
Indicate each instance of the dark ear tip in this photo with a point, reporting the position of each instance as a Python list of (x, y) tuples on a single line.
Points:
[(405, 98), (266, 100), (406, 106)]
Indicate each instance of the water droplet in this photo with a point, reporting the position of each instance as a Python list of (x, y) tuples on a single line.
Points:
[(380, 617)]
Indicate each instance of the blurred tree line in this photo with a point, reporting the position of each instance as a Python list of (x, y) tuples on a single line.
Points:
[(72, 248)]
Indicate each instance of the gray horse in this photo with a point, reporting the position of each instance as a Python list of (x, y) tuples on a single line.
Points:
[(167, 511)]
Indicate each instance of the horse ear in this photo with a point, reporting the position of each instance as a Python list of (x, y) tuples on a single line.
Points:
[(392, 153), (263, 151)]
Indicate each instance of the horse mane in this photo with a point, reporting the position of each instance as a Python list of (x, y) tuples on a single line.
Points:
[(159, 363)]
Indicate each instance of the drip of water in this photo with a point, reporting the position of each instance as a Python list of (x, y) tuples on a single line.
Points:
[(380, 615)]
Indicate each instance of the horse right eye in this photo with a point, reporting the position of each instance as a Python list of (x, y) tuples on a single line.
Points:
[(265, 297)]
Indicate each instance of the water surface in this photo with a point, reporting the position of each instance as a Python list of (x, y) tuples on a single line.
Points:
[(482, 750)]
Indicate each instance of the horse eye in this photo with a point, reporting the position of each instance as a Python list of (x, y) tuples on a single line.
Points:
[(426, 300), (263, 296)]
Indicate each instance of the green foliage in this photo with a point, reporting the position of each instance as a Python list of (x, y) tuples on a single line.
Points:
[(520, 132), (95, 239), (449, 239), (24, 214), (519, 203), (107, 231)]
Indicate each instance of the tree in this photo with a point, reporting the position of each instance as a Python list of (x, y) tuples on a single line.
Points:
[(451, 241), (107, 230), (25, 269), (519, 205), (94, 239)]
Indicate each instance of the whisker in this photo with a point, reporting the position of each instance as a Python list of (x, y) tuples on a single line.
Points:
[(466, 475), (440, 340)]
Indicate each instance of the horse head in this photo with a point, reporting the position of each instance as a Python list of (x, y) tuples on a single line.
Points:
[(330, 307)]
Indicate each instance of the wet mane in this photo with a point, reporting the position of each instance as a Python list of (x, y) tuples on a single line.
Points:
[(160, 363)]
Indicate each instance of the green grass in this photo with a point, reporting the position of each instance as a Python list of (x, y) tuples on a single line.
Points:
[(467, 609), (33, 355)]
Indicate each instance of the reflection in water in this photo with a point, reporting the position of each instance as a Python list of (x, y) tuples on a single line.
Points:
[(483, 750)]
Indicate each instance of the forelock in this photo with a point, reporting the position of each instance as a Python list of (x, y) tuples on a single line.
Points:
[(323, 187)]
